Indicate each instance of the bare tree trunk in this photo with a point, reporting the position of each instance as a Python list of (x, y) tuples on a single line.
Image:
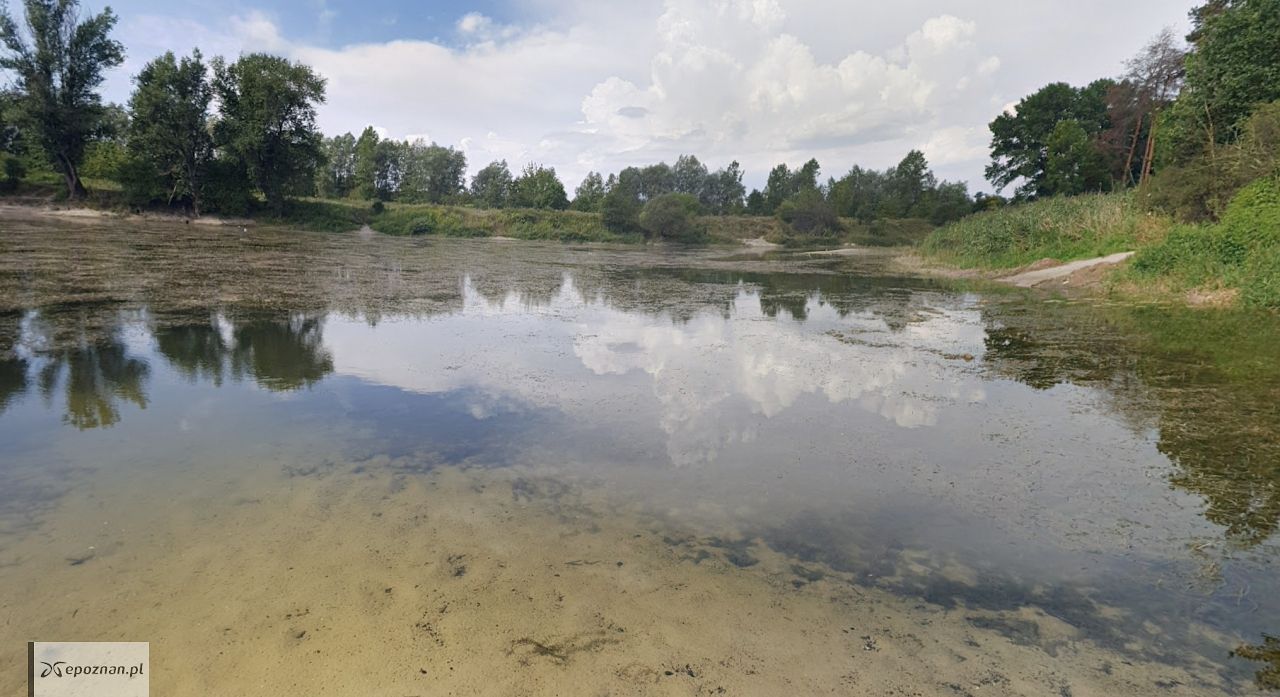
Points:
[(1133, 149), (1151, 148)]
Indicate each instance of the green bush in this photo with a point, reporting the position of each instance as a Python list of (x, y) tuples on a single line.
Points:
[(673, 217), (809, 214), (1201, 187), (1242, 251), (620, 210), (14, 171)]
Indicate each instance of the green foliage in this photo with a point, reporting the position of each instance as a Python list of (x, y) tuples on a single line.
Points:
[(1235, 66), (1059, 228), (1020, 144), (365, 168), (564, 226), (1073, 164), (722, 191), (907, 190), (673, 217), (590, 193), (491, 187), (808, 213), (424, 220), (620, 209), (14, 171), (103, 159), (1242, 251), (267, 106), (430, 173), (337, 178), (169, 133), (228, 190), (1200, 188), (57, 66), (784, 184), (538, 187)]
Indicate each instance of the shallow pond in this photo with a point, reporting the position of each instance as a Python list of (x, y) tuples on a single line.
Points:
[(306, 464)]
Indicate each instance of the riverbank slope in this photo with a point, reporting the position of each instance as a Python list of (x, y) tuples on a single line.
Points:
[(1235, 261)]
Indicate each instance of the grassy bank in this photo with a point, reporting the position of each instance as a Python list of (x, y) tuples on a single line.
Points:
[(1239, 254), (1237, 258), (1059, 228)]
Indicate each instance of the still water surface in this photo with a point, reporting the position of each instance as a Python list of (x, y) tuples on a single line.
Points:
[(432, 467)]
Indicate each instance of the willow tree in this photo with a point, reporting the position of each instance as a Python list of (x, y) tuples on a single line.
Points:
[(57, 63)]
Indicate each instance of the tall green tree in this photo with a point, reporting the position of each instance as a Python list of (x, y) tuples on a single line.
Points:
[(1234, 66), (906, 187), (688, 176), (722, 190), (620, 209), (539, 187), (366, 168), (338, 175), (1072, 164), (267, 109), (169, 132), (491, 187), (57, 64), (1019, 143), (590, 193), (433, 173)]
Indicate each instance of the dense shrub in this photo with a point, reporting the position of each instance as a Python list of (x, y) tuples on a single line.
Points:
[(1242, 251), (808, 213), (620, 210), (673, 217), (1200, 188), (14, 171)]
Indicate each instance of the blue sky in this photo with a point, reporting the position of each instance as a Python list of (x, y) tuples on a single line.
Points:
[(586, 85), (335, 23)]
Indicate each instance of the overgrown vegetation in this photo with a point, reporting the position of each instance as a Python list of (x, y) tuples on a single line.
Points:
[(1057, 228), (1241, 252)]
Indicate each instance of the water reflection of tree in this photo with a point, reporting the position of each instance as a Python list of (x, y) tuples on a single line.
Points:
[(1197, 376), (194, 348), (279, 353), (13, 368), (94, 378)]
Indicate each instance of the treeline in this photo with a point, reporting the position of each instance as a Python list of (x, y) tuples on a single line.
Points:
[(233, 137), (1189, 124), (370, 168)]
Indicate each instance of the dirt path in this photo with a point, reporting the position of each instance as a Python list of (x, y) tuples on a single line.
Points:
[(1030, 279)]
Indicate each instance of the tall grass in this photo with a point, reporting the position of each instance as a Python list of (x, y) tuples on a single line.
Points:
[(1079, 227)]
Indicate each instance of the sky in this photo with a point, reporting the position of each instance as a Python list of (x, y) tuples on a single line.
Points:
[(583, 85)]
